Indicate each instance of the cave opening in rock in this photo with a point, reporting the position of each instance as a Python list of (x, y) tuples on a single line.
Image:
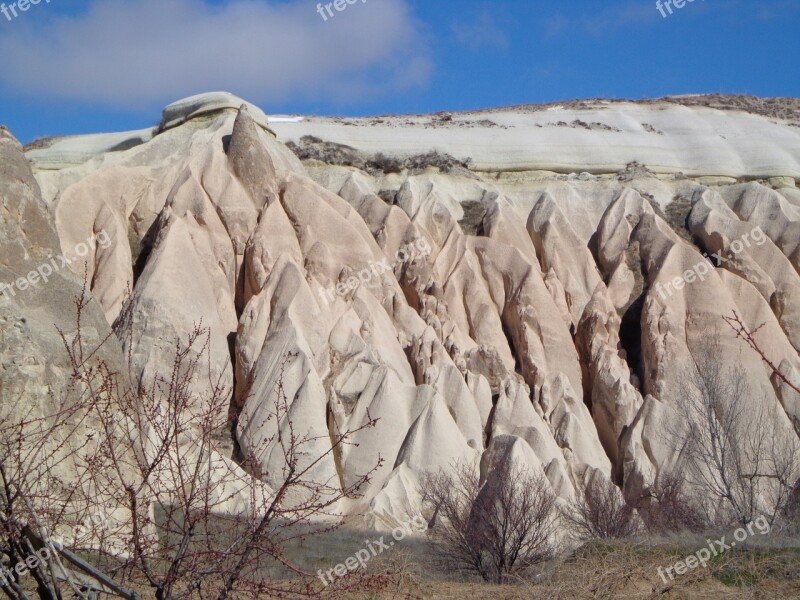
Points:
[(630, 336)]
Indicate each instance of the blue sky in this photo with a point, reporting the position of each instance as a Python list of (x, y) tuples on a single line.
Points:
[(109, 65)]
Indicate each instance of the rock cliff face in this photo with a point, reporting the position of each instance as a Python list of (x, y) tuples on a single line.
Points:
[(501, 305), (34, 364)]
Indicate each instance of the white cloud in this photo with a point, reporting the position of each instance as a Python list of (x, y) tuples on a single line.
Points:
[(133, 53), (603, 21), (482, 31), (555, 24)]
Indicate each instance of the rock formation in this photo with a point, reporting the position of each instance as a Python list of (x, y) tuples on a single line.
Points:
[(557, 335)]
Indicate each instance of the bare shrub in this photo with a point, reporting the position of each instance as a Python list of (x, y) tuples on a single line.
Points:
[(667, 508), (27, 467), (495, 528), (601, 513), (787, 475), (732, 453), (188, 522), (735, 322), (792, 512)]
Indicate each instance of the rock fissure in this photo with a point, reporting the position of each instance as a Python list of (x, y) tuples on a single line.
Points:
[(533, 341)]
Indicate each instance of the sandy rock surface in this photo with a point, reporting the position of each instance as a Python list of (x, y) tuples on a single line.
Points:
[(532, 306)]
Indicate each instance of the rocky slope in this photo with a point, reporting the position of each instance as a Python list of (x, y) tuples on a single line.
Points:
[(496, 284)]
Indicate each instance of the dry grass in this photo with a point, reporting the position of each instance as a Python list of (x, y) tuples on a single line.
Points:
[(625, 570), (622, 570)]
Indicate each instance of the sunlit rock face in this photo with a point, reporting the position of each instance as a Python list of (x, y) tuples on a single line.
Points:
[(504, 308), (56, 358), (37, 299)]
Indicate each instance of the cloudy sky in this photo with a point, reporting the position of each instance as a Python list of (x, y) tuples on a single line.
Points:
[(76, 66)]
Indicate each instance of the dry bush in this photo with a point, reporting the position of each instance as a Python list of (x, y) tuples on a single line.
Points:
[(733, 456), (787, 468), (601, 513), (668, 509), (742, 332), (792, 512), (43, 485), (28, 458), (148, 456), (496, 528)]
